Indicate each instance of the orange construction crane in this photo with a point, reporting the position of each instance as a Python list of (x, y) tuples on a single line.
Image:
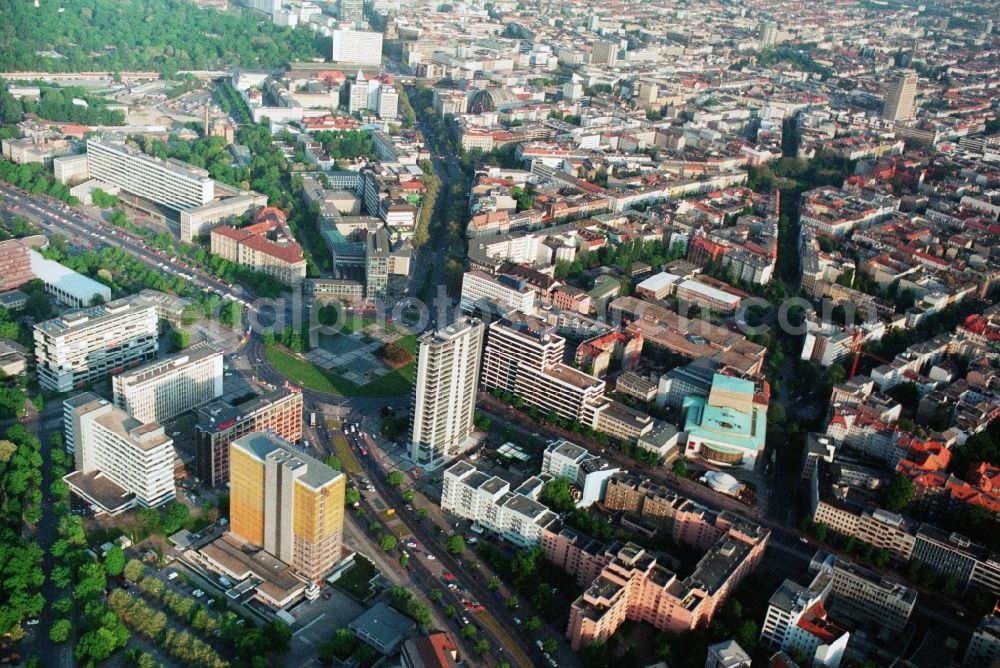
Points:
[(857, 343)]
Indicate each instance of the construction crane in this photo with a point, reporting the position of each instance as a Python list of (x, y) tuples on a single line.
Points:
[(857, 347)]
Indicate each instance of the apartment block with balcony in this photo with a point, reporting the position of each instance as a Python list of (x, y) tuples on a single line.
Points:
[(120, 461), (515, 515), (444, 393), (524, 356)]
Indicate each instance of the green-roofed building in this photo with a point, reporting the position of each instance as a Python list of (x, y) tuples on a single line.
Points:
[(728, 428)]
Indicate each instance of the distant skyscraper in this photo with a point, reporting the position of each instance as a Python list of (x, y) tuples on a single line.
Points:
[(357, 47), (444, 394), (899, 97), (572, 90), (286, 502), (351, 11), (768, 34)]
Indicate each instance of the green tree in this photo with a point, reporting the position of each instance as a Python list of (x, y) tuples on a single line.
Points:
[(898, 493), (134, 570), (557, 495), (388, 542), (455, 544), (680, 468), (176, 515), (395, 478), (60, 631), (114, 561), (180, 339)]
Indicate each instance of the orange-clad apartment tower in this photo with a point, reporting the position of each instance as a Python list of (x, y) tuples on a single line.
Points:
[(287, 502)]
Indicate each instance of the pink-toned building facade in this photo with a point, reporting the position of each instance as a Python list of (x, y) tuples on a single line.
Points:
[(628, 582)]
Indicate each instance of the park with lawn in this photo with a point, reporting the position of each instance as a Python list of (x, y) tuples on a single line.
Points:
[(363, 358)]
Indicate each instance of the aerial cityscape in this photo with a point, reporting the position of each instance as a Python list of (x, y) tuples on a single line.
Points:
[(503, 334)]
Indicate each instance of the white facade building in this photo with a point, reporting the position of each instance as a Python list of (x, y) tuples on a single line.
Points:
[(444, 392), (357, 47), (590, 473), (166, 182), (166, 388), (388, 102), (82, 346), (120, 461), (488, 501), (796, 621), (504, 291)]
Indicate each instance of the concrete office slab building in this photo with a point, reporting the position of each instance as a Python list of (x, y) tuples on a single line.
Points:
[(166, 388)]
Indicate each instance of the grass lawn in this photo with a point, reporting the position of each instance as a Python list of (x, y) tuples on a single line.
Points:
[(344, 453), (398, 382), (357, 581)]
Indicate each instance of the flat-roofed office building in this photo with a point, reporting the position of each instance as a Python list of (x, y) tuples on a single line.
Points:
[(86, 345), (166, 388), (286, 502), (120, 461), (219, 424), (169, 183), (357, 47)]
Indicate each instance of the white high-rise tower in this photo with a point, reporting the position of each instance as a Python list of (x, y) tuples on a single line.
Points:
[(444, 394)]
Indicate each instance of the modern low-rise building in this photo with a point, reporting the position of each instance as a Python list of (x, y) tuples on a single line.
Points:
[(984, 647), (87, 345), (863, 596), (515, 515), (590, 473), (730, 426), (796, 622), (166, 388), (66, 286)]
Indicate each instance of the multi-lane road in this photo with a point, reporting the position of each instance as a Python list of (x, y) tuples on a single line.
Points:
[(519, 650)]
